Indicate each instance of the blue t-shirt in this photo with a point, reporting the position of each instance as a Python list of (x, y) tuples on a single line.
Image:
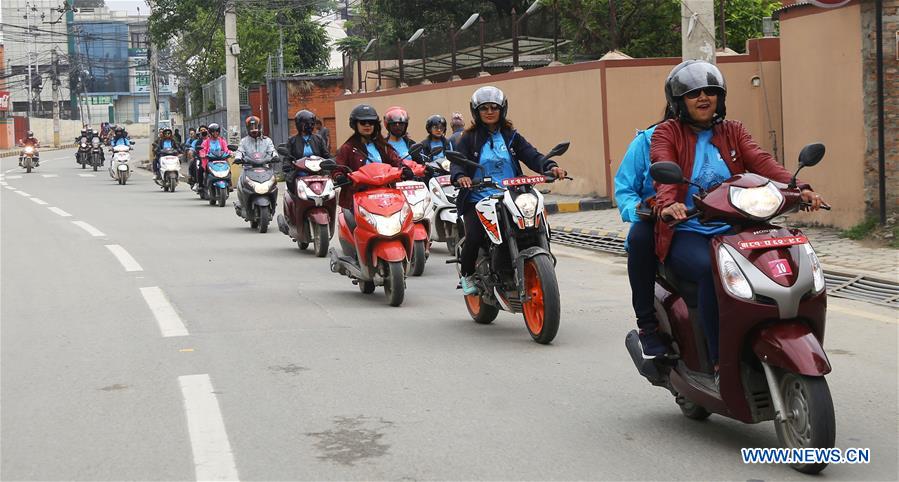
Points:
[(709, 170), (215, 148), (497, 162), (435, 145), (373, 154), (401, 148), (307, 146), (167, 144), (120, 141)]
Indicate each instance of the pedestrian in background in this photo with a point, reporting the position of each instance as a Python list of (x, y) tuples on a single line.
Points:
[(457, 123), (324, 133)]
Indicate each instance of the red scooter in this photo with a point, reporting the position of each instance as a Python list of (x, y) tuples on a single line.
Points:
[(377, 238), (310, 209), (772, 306)]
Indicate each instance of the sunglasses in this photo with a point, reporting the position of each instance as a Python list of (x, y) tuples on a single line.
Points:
[(709, 91), (489, 108), (368, 122)]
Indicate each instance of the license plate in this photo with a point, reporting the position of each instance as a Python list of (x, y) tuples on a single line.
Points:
[(314, 178), (773, 242), (520, 181), (780, 268), (444, 180)]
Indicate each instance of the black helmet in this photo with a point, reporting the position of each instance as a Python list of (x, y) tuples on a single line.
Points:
[(489, 95), (214, 128), (435, 120), (119, 129), (691, 75), (304, 121), (30, 134), (364, 112)]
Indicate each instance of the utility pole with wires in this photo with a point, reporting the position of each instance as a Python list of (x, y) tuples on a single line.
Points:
[(55, 98), (698, 30), (232, 88)]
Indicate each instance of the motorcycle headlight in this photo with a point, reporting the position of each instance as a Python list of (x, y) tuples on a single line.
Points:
[(95, 142), (527, 204), (386, 225), (732, 278), (29, 150), (263, 187), (817, 272), (758, 202)]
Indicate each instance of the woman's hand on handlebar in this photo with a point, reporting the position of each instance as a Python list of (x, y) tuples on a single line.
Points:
[(558, 172), (676, 211), (814, 200), (464, 182)]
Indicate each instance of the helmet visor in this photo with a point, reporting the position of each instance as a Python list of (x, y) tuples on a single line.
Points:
[(696, 76)]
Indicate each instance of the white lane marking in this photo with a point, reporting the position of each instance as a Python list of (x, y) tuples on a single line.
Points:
[(13, 177), (23, 193), (860, 313), (213, 459), (39, 201), (90, 229), (60, 212), (128, 262), (169, 322), (50, 175), (85, 175), (3, 183), (10, 188)]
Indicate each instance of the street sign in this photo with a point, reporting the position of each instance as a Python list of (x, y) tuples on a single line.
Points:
[(829, 3), (4, 101)]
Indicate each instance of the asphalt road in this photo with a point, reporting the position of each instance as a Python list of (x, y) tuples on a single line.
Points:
[(165, 340)]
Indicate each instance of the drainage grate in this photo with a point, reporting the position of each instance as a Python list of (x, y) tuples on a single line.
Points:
[(841, 285)]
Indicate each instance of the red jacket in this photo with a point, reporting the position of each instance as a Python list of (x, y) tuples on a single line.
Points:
[(675, 141), (353, 154)]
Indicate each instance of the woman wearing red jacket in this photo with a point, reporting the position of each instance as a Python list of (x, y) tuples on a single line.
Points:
[(709, 150)]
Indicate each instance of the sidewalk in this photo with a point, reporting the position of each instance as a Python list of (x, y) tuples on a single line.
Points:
[(846, 262)]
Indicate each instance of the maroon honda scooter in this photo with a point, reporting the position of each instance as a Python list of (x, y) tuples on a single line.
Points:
[(310, 209), (772, 307)]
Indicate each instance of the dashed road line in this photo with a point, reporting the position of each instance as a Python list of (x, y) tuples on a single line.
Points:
[(85, 175), (60, 212), (10, 188), (50, 175), (213, 458), (90, 229), (127, 261), (167, 318), (13, 177), (23, 193), (39, 201)]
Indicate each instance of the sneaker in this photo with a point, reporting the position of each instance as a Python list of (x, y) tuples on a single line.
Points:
[(717, 378), (468, 285), (652, 344)]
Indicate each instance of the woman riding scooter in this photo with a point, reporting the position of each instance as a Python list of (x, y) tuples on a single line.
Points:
[(495, 144), (396, 121), (304, 144), (709, 150), (213, 144), (436, 127)]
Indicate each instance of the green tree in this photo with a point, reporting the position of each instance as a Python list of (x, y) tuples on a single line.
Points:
[(743, 20)]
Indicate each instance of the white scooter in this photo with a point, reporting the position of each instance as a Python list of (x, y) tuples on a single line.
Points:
[(119, 168), (443, 199), (169, 169)]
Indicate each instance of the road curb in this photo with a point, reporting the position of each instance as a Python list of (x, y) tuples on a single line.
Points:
[(586, 204)]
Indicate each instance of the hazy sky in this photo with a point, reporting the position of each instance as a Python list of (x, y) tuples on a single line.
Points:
[(129, 5)]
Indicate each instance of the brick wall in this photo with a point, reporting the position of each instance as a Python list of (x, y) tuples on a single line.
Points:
[(318, 97), (891, 104)]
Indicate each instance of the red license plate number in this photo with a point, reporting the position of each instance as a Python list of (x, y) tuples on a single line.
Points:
[(773, 242), (780, 268), (520, 181)]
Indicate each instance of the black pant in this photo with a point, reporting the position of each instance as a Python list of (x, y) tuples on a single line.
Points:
[(475, 235), (641, 272), (690, 259)]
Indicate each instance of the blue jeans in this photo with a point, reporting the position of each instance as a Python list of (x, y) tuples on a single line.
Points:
[(641, 273), (690, 259)]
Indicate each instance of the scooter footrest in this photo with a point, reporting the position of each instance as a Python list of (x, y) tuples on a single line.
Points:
[(453, 261)]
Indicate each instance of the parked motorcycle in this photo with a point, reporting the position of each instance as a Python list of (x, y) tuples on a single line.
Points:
[(218, 179), (377, 237), (119, 169), (29, 158), (96, 153), (84, 152), (515, 272), (309, 212), (169, 169), (257, 190), (772, 304)]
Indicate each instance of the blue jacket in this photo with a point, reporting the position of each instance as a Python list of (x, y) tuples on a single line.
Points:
[(632, 182), (521, 150)]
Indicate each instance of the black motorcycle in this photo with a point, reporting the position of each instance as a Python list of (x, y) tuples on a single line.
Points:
[(83, 156), (96, 153), (257, 190)]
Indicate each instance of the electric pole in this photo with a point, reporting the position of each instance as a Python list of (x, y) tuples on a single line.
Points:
[(30, 98), (232, 89), (55, 98), (698, 30)]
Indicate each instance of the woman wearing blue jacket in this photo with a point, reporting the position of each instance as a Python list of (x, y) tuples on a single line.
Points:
[(633, 187)]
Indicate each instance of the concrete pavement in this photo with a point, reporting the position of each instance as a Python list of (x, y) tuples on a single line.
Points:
[(287, 372)]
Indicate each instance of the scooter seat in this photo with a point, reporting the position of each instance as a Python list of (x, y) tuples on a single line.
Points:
[(687, 290)]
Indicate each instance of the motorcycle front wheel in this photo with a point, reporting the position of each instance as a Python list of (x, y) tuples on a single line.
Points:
[(418, 258), (810, 419), (542, 306), (265, 217), (320, 239), (395, 284)]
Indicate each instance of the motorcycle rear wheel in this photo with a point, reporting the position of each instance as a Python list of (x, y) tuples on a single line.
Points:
[(480, 312), (542, 310), (366, 287), (811, 423), (395, 284), (693, 411)]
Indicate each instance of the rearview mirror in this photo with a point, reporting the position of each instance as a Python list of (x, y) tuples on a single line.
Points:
[(232, 147), (560, 149), (811, 154), (328, 164), (282, 150), (414, 149), (666, 172)]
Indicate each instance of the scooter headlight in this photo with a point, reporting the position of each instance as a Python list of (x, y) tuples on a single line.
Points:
[(732, 278), (527, 204), (445, 164), (817, 272), (263, 187), (420, 208), (758, 202), (301, 190), (386, 225)]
